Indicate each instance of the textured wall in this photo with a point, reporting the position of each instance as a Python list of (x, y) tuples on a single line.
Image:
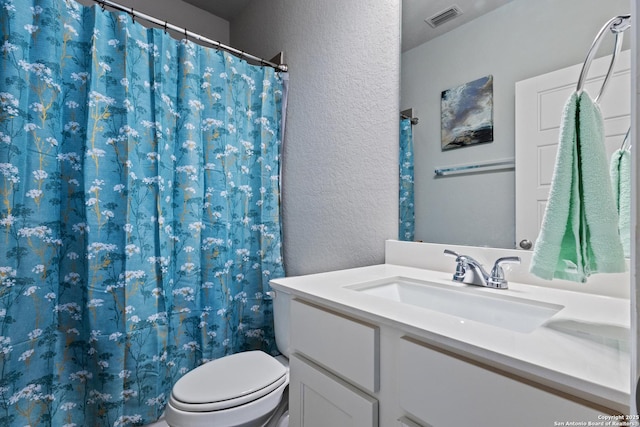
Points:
[(340, 175), (182, 15), (517, 41)]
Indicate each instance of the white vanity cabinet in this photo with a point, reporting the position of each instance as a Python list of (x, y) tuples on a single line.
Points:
[(349, 372), (441, 389), (333, 369)]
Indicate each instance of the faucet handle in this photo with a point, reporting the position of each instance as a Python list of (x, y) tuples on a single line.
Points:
[(507, 260), (461, 259), (449, 252), (497, 280)]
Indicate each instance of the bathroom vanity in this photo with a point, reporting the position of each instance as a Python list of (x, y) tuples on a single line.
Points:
[(368, 350)]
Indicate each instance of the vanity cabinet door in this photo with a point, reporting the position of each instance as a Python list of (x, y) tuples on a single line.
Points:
[(319, 399), (443, 390)]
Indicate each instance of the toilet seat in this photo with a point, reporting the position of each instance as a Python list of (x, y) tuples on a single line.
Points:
[(241, 378)]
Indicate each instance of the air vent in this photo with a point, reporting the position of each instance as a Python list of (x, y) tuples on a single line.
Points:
[(444, 16)]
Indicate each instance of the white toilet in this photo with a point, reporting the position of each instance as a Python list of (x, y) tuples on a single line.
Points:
[(241, 390)]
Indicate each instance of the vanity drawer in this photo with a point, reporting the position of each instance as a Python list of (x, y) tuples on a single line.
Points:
[(442, 389), (345, 346)]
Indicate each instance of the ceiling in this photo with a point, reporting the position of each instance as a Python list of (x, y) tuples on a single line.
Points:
[(414, 30), (225, 9)]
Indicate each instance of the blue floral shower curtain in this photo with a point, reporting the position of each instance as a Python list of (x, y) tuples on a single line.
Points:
[(139, 212), (407, 211)]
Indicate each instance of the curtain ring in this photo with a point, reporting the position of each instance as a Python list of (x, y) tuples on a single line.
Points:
[(165, 27), (133, 16), (102, 5)]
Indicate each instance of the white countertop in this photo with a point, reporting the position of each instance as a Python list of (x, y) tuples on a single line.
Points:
[(582, 350)]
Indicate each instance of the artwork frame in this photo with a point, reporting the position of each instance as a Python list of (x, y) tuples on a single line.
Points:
[(467, 114)]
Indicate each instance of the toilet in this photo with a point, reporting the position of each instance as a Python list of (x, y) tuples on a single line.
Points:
[(246, 389)]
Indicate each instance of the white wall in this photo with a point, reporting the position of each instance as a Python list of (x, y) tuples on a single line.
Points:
[(635, 211), (514, 42), (340, 164), (181, 14)]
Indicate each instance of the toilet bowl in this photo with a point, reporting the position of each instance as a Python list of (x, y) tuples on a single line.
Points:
[(240, 390)]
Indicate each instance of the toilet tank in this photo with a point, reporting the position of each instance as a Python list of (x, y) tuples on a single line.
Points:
[(281, 316)]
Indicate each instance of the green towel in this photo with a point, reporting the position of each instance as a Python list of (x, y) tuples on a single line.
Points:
[(579, 233), (621, 182)]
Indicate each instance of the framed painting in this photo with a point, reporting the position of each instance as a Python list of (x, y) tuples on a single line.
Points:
[(467, 114)]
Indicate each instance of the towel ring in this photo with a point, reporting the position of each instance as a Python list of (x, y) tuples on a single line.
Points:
[(616, 25), (626, 138)]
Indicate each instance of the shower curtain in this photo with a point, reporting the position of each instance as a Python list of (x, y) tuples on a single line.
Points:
[(139, 212), (407, 212)]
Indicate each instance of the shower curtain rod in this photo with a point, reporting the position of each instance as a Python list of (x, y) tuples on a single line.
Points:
[(408, 114), (414, 120), (165, 25)]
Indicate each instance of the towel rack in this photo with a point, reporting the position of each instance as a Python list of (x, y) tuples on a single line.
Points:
[(617, 25), (493, 165)]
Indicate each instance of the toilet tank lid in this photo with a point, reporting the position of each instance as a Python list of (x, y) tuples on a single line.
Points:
[(229, 377)]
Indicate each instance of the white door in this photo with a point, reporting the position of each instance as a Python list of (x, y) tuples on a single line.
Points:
[(539, 104)]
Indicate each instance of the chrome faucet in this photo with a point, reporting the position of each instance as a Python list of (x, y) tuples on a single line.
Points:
[(471, 272)]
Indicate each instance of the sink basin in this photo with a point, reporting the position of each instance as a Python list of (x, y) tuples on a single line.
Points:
[(504, 311)]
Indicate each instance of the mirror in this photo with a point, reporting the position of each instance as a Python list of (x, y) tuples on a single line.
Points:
[(513, 41)]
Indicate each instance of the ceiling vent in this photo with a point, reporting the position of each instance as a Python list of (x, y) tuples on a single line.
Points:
[(444, 16)]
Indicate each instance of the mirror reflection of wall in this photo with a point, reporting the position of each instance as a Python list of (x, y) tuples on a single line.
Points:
[(517, 41)]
